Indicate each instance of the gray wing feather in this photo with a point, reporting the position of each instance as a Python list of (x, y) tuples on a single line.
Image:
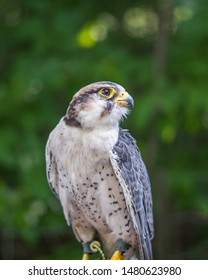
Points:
[(134, 173)]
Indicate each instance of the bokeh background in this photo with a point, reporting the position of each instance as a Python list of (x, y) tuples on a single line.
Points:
[(158, 50)]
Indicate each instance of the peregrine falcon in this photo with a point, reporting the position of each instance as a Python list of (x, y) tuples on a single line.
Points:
[(96, 170)]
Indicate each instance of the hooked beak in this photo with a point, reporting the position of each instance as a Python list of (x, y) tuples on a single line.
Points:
[(124, 99)]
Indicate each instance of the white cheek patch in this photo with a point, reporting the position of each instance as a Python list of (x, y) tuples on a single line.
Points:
[(89, 116)]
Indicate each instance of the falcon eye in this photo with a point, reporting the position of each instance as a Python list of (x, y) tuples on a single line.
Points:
[(105, 91)]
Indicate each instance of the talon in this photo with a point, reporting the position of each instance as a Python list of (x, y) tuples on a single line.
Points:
[(85, 256), (117, 256), (120, 249)]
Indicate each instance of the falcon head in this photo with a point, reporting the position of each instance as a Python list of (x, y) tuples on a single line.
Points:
[(98, 104)]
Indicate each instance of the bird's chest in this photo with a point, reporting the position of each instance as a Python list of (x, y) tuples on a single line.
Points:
[(89, 176), (86, 157), (94, 188), (90, 179), (86, 165)]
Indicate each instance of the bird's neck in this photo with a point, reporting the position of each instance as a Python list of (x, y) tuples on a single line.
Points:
[(98, 138)]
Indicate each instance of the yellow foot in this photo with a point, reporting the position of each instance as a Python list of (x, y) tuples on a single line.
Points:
[(117, 256), (85, 256)]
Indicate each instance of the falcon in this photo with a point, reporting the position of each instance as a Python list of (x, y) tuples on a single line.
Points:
[(95, 169)]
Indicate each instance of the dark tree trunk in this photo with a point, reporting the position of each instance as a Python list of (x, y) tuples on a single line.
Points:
[(161, 198)]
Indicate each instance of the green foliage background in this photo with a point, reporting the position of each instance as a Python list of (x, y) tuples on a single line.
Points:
[(50, 49)]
